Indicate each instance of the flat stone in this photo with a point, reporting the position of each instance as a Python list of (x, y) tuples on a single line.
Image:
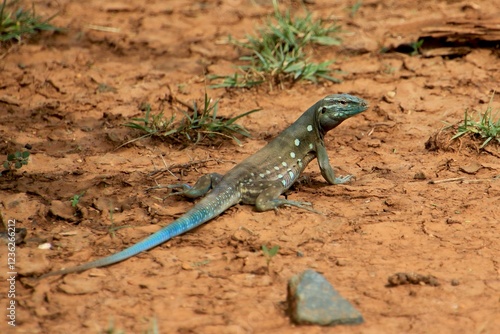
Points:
[(30, 262), (79, 286), (312, 300), (62, 210)]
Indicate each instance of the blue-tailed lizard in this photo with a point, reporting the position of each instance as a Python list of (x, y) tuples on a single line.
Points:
[(259, 179)]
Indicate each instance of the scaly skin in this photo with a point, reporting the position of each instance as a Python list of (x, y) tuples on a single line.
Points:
[(259, 180)]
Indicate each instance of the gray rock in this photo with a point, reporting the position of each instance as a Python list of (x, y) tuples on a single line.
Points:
[(312, 300)]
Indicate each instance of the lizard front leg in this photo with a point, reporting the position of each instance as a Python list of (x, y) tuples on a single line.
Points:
[(327, 170), (200, 188)]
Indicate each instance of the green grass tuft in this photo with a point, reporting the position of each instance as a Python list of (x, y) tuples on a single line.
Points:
[(196, 125), (279, 52), (18, 23), (486, 126)]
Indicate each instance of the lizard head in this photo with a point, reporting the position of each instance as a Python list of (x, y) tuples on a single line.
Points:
[(334, 109)]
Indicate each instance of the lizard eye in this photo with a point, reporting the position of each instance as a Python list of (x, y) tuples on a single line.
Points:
[(322, 110)]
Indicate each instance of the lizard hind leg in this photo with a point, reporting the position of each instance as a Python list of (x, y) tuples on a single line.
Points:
[(200, 188), (268, 199)]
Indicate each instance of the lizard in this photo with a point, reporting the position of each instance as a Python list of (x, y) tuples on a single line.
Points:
[(258, 180)]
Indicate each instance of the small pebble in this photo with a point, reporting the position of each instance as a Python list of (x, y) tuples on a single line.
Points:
[(46, 245), (419, 176)]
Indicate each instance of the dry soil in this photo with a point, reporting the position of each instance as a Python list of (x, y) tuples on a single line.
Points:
[(69, 94)]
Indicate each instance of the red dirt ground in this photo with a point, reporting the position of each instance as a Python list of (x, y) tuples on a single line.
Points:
[(390, 219)]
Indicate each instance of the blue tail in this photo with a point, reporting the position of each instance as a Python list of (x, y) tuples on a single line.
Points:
[(191, 219)]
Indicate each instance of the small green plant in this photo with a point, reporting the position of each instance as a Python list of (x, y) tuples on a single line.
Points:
[(486, 126), (196, 124), (153, 328), (416, 46), (279, 52), (269, 253), (113, 228), (76, 199), (112, 329), (355, 8), (15, 161), (244, 80), (18, 23), (388, 68), (104, 88)]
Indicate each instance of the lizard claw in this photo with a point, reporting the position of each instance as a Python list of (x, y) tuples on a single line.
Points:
[(343, 179)]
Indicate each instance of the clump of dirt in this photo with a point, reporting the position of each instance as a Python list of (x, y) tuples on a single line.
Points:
[(412, 278), (444, 140)]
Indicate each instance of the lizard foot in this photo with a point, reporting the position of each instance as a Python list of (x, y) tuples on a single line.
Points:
[(182, 189), (303, 205)]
